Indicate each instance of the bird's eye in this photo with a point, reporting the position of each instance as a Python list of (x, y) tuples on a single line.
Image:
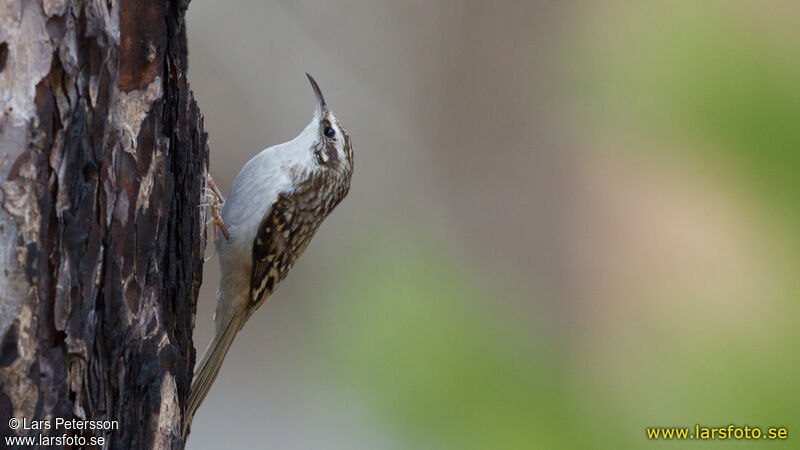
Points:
[(329, 133)]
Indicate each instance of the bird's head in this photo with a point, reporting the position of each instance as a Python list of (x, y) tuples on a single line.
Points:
[(329, 151)]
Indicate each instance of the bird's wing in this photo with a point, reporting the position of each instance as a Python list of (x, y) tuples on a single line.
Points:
[(269, 250)]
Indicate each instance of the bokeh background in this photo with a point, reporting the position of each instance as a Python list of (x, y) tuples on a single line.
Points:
[(568, 221)]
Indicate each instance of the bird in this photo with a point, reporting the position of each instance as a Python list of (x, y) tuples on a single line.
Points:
[(273, 209)]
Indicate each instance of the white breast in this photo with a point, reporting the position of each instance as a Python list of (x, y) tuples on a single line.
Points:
[(253, 191)]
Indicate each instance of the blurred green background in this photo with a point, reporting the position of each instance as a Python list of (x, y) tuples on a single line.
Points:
[(569, 221)]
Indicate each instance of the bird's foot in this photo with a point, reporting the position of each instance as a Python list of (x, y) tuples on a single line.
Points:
[(215, 199)]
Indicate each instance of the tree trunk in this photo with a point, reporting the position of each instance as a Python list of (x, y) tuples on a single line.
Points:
[(102, 163)]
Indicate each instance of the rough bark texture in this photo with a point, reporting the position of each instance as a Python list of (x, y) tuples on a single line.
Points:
[(102, 162)]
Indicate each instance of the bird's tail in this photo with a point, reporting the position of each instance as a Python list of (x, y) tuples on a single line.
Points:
[(208, 368)]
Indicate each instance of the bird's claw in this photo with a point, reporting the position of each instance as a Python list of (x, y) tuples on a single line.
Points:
[(216, 199)]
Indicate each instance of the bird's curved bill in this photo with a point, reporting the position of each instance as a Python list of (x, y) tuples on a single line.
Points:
[(321, 106)]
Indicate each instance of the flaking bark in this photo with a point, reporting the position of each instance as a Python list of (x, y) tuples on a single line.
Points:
[(102, 162)]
